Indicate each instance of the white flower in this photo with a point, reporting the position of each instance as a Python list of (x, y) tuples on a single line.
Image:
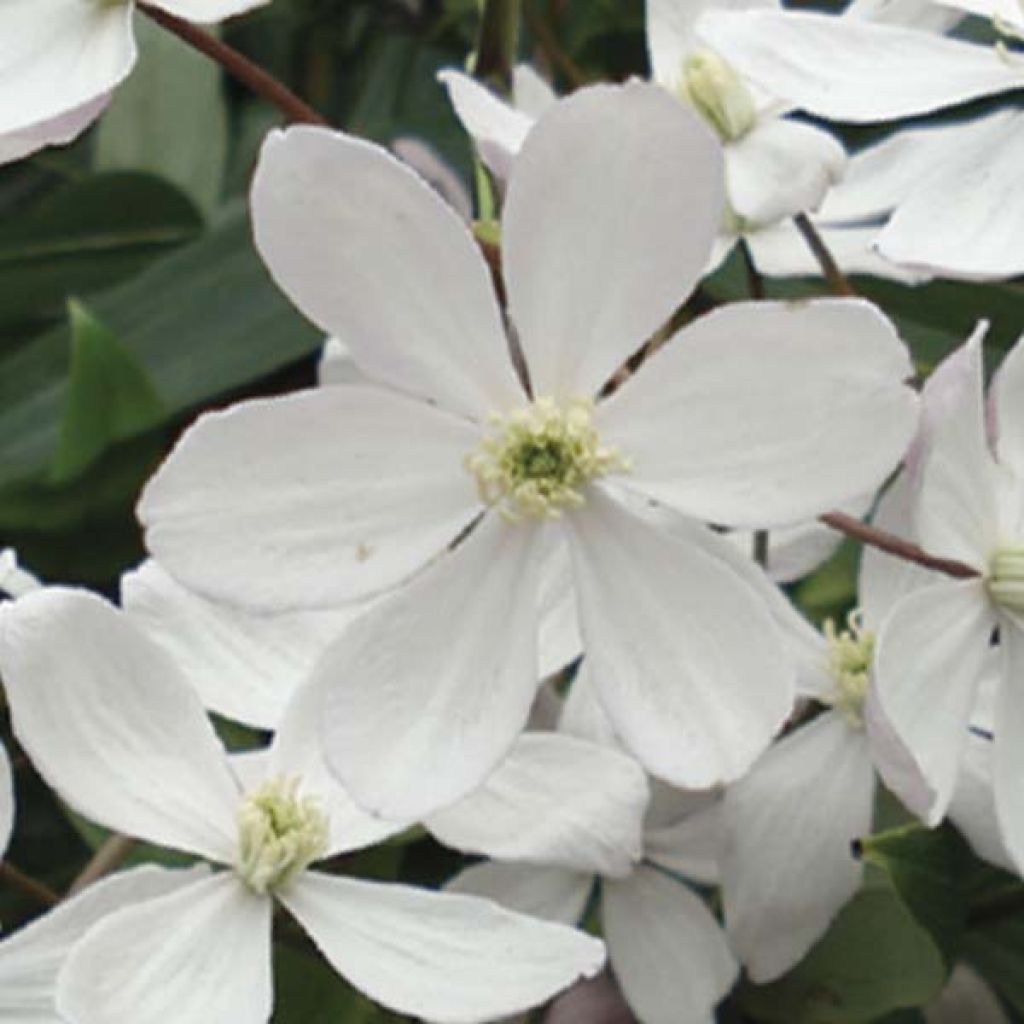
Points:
[(936, 645), (31, 958), (963, 212), (61, 60), (753, 416), (6, 801), (113, 727)]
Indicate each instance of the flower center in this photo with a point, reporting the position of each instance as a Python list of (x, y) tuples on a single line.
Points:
[(1006, 576), (851, 652), (279, 834), (713, 87), (535, 461)]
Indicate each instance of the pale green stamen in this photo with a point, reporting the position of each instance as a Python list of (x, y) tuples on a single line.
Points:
[(851, 652), (535, 461), (713, 87), (1006, 576), (279, 834)]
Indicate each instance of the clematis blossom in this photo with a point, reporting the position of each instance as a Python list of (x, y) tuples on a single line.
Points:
[(60, 61), (329, 495), (132, 749)]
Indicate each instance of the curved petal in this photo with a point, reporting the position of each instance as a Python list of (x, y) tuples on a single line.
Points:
[(497, 129), (411, 727), (596, 260), (533, 94), (809, 378), (112, 726), (197, 955), (790, 823), (781, 168), (31, 958), (928, 663), (370, 253), (557, 801), (6, 801), (552, 894), (851, 69), (440, 956), (1008, 747), (58, 56), (686, 659), (208, 11), (667, 951), (310, 500), (57, 131)]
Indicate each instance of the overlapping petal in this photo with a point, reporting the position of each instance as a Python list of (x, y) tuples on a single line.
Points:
[(56, 131), (1007, 397), (108, 721), (441, 956), (597, 260), (552, 894), (311, 499)]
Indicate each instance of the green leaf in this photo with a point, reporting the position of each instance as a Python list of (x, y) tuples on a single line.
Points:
[(109, 397), (169, 117)]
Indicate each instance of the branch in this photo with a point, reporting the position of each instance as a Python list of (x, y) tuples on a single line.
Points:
[(249, 74), (547, 42), (108, 857), (41, 893), (833, 275)]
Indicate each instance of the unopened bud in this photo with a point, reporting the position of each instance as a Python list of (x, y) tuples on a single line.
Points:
[(712, 86)]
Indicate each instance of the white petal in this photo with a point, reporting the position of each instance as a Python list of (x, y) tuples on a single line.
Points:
[(850, 69), (208, 11), (558, 640), (14, 580), (112, 726), (533, 94), (415, 725), (312, 499), (966, 220), (552, 894), (31, 958), (966, 997), (337, 366), (583, 714), (700, 696), (928, 663), (441, 956), (1007, 397), (57, 131), (781, 168), (809, 378), (915, 13), (789, 868), (555, 800), (59, 55), (1008, 748), (6, 801), (497, 129), (692, 846), (973, 807), (595, 260), (370, 253), (443, 179), (666, 949), (198, 955)]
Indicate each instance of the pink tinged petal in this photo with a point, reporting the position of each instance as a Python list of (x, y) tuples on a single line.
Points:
[(243, 666), (427, 692), (1008, 750), (668, 953), (533, 94), (598, 1001), (443, 957), (597, 260), (789, 868), (310, 500), (967, 218), (208, 11), (370, 253), (1007, 399), (781, 168), (759, 414), (57, 131), (552, 894), (929, 658), (555, 800), (851, 69), (498, 130), (973, 807), (558, 641), (6, 801), (112, 726), (31, 958), (58, 57), (198, 955), (686, 659)]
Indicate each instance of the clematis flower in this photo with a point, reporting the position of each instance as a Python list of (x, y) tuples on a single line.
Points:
[(964, 214), (61, 60), (331, 494), (935, 646), (31, 958), (132, 749)]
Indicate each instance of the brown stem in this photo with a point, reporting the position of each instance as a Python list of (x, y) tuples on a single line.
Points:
[(41, 893), (108, 857), (833, 275), (548, 44), (894, 545), (249, 74)]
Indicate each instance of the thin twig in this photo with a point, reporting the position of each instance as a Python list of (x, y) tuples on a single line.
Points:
[(108, 857), (833, 275), (249, 74), (41, 893), (548, 44), (897, 546)]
